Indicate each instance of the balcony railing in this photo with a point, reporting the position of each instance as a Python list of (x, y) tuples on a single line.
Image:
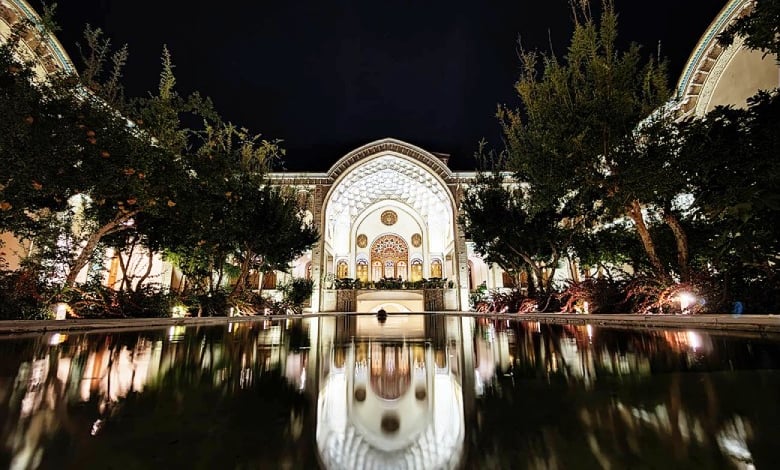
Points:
[(392, 284)]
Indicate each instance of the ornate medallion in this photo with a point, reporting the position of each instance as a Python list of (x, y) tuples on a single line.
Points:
[(362, 240), (389, 217), (416, 240)]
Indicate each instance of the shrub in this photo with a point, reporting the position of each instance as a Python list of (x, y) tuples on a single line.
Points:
[(22, 296), (603, 295), (297, 292)]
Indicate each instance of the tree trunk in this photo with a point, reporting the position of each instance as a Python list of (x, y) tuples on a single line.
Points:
[(82, 259), (147, 272), (682, 244), (241, 282), (553, 268), (125, 266), (531, 285), (635, 212), (126, 281), (537, 270)]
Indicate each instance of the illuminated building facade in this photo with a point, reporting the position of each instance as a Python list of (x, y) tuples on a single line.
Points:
[(388, 211)]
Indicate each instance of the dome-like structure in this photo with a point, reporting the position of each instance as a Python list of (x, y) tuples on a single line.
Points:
[(716, 75), (44, 49)]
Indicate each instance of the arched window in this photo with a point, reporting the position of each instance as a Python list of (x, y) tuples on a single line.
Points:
[(523, 278), (436, 269), (269, 280), (508, 279), (253, 281), (362, 270), (341, 270), (389, 269), (401, 271), (417, 271), (112, 272), (386, 252)]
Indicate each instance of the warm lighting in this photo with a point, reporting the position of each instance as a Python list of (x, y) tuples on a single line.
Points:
[(585, 308), (178, 311), (686, 300), (589, 329), (57, 339), (176, 333), (96, 426), (694, 340), (61, 312)]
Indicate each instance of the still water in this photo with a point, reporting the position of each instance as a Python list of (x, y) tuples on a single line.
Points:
[(413, 391)]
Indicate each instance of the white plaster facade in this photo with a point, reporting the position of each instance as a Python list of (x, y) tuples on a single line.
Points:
[(387, 210), (715, 75)]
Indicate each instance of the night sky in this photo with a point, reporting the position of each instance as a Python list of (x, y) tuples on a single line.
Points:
[(329, 76)]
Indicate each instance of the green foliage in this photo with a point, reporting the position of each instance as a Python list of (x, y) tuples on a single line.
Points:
[(574, 139), (600, 156), (208, 304), (84, 168), (97, 52), (565, 140), (760, 28), (297, 292), (478, 296), (497, 217), (22, 296), (734, 176), (347, 283), (66, 149)]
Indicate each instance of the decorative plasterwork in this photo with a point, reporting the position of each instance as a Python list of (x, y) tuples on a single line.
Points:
[(49, 53), (362, 240), (389, 218), (416, 240), (389, 246), (390, 146), (711, 81), (709, 60), (393, 178)]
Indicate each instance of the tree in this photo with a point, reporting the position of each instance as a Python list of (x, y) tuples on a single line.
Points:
[(232, 215), (496, 217), (573, 140), (734, 174), (84, 168), (65, 149), (760, 28)]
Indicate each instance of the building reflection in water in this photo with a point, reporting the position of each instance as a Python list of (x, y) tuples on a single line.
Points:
[(414, 391), (390, 394)]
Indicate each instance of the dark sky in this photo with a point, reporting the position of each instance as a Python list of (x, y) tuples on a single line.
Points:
[(329, 76)]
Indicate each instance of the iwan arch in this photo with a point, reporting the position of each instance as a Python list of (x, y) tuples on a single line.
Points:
[(387, 213)]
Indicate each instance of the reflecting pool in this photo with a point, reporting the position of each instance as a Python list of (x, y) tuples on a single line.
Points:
[(405, 391)]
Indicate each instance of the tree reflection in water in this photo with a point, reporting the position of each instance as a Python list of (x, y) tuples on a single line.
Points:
[(159, 399), (583, 397), (530, 396)]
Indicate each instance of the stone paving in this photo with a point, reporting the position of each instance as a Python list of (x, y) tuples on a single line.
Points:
[(743, 323)]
